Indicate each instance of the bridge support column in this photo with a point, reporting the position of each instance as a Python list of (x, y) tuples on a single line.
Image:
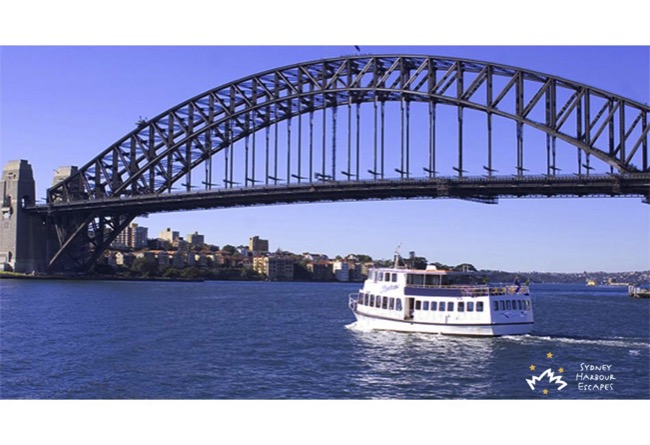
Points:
[(22, 236)]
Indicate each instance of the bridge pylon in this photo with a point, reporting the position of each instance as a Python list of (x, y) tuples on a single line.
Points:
[(77, 239), (22, 235)]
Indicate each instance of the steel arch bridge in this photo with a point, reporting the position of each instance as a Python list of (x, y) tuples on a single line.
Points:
[(353, 128)]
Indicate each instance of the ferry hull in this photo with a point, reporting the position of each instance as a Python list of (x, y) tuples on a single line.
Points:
[(478, 330)]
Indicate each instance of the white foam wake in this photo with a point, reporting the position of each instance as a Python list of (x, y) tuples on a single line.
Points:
[(619, 342)]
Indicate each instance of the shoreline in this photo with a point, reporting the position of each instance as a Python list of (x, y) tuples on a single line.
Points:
[(19, 276)]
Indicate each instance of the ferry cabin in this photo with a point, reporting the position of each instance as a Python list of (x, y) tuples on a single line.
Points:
[(441, 302)]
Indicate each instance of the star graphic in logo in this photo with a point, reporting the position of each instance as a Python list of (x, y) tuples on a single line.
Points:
[(547, 377)]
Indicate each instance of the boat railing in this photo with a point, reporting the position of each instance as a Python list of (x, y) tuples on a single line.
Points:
[(353, 300), (465, 289), (494, 289), (508, 289)]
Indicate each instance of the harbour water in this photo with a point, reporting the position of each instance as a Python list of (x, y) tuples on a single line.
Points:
[(253, 340)]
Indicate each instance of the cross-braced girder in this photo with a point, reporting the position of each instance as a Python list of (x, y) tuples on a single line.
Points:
[(164, 150)]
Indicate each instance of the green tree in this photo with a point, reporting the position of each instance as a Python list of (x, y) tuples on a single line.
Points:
[(419, 263), (230, 249), (171, 272), (191, 272), (145, 267), (102, 269)]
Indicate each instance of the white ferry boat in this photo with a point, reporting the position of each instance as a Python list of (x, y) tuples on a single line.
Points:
[(440, 302)]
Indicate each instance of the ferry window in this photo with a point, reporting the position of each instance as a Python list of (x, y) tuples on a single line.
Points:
[(398, 305), (394, 277), (384, 303), (527, 305), (461, 307), (496, 305), (418, 305), (508, 305), (361, 297), (378, 301), (502, 305), (391, 303), (442, 306), (450, 307), (434, 305), (479, 306), (372, 300), (519, 306), (470, 306), (425, 305)]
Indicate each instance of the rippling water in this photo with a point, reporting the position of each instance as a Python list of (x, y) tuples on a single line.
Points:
[(224, 340)]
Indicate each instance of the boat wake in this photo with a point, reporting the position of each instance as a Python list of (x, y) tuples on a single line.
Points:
[(357, 327), (618, 342)]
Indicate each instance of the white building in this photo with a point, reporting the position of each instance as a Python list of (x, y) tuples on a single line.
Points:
[(170, 236), (133, 236), (341, 270), (196, 239)]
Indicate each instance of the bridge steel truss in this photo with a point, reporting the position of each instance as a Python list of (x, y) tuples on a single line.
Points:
[(87, 210)]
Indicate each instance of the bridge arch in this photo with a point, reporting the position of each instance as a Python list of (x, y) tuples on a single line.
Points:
[(138, 173), (168, 148)]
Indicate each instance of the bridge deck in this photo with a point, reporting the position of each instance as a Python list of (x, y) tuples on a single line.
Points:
[(483, 189)]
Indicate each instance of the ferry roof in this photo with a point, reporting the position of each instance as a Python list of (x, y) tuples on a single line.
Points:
[(423, 271)]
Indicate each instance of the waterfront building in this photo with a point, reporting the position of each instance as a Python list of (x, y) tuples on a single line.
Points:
[(178, 260), (220, 258), (163, 258), (274, 267), (182, 245), (341, 270), (147, 255), (171, 236), (257, 245), (124, 259), (364, 268), (195, 239), (134, 237), (200, 260), (320, 270), (190, 258), (314, 256)]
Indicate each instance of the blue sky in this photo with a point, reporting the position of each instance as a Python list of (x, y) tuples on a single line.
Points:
[(63, 105)]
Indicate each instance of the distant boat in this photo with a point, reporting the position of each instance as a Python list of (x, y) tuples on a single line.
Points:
[(638, 291), (611, 282), (591, 283)]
